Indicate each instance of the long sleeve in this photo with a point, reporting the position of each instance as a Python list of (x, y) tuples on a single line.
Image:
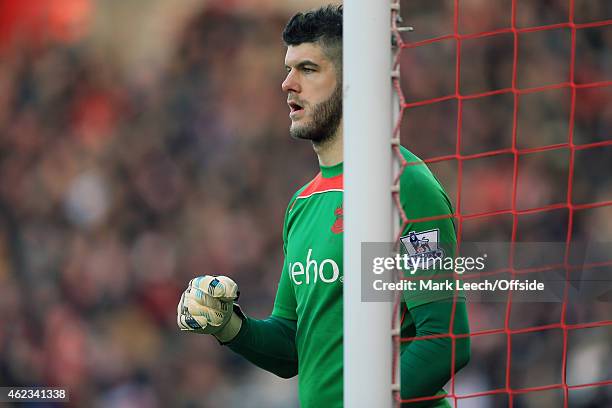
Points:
[(426, 364), (269, 344)]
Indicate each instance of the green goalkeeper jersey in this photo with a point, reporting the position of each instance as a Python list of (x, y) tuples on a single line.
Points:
[(310, 287)]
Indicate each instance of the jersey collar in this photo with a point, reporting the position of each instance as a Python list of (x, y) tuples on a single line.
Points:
[(331, 171)]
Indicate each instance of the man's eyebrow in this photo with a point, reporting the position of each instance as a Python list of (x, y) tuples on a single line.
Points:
[(305, 63)]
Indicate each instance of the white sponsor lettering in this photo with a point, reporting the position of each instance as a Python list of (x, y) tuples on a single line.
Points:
[(296, 270), (327, 271)]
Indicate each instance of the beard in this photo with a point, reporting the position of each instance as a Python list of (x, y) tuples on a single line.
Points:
[(326, 117)]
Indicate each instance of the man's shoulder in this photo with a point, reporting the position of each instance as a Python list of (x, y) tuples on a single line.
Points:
[(417, 180), (288, 211), (299, 192), (408, 155), (416, 172)]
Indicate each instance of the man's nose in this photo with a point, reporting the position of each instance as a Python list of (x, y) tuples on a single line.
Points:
[(290, 84)]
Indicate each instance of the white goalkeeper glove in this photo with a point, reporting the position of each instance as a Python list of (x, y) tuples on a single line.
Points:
[(207, 307)]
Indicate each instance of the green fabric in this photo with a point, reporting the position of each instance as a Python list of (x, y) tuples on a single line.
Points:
[(332, 171), (269, 344), (310, 285), (422, 375), (422, 196)]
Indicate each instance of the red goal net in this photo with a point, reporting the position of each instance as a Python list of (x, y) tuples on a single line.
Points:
[(510, 104)]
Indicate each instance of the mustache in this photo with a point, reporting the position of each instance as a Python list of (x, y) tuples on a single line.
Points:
[(293, 99)]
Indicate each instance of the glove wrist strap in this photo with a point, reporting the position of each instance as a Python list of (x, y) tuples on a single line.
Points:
[(230, 330)]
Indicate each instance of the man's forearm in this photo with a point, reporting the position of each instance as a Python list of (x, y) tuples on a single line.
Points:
[(269, 344), (426, 364)]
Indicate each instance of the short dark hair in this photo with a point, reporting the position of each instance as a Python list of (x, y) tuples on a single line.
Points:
[(323, 26)]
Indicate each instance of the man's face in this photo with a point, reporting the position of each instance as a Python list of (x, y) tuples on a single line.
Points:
[(314, 95)]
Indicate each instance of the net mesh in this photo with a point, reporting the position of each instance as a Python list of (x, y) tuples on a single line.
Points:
[(512, 113)]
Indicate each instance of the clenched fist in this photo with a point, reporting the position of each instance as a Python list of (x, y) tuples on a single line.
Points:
[(207, 307)]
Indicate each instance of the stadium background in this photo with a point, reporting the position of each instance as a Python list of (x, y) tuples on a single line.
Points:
[(144, 143)]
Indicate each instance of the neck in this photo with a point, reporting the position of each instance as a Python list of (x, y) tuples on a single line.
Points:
[(331, 151)]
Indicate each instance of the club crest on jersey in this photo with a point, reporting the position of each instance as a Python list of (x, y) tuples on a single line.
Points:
[(338, 226), (423, 244)]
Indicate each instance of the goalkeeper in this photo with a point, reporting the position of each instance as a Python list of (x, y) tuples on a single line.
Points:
[(303, 335)]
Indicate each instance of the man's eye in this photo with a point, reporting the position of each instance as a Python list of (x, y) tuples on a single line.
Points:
[(308, 70)]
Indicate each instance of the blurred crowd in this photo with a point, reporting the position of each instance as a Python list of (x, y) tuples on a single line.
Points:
[(116, 189)]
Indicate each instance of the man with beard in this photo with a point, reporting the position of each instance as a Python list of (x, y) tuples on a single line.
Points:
[(304, 333)]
